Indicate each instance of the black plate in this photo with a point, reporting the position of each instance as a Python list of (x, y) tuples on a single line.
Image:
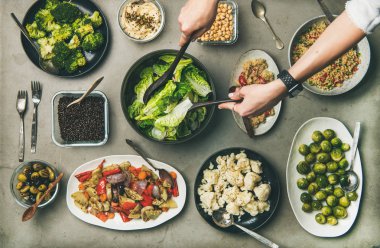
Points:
[(268, 176), (87, 7), (133, 77)]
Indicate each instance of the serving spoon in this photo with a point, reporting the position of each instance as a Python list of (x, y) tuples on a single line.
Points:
[(45, 65), (353, 179), (29, 213), (209, 103), (92, 87), (258, 10), (164, 174), (223, 219)]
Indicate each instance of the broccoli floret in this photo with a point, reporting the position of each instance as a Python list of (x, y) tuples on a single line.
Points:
[(66, 12), (74, 42), (34, 32), (63, 33), (51, 4), (95, 19), (75, 61), (84, 30), (45, 20), (92, 42), (46, 47), (61, 55), (80, 22)]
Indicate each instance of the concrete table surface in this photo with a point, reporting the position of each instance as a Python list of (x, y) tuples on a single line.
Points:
[(56, 227)]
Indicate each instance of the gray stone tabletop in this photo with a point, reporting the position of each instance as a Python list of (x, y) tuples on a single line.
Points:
[(55, 226)]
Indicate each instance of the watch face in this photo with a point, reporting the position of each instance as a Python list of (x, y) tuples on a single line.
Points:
[(295, 90)]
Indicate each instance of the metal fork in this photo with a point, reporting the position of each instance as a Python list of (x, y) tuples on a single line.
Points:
[(22, 99), (36, 98)]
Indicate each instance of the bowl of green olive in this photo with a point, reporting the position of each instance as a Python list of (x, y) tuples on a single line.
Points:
[(30, 180)]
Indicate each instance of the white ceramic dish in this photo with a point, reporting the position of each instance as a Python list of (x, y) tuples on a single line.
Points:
[(365, 57), (117, 223), (251, 55), (306, 220)]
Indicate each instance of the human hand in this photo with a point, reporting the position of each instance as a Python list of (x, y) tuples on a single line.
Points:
[(195, 18), (257, 98)]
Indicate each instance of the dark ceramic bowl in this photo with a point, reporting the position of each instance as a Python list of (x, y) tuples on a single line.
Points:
[(133, 77)]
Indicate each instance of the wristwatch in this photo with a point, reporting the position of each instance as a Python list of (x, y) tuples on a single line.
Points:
[(293, 86)]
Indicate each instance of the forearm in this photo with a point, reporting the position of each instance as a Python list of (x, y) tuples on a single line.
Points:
[(340, 36)]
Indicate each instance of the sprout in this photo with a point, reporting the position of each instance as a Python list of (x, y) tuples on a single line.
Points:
[(315, 148), (336, 142), (312, 188), (326, 211), (322, 181), (323, 157), (344, 180), (311, 176), (343, 164), (320, 195), (317, 136), (329, 189), (302, 183), (304, 149), (337, 154), (332, 200), (352, 196), (344, 202), (310, 158), (303, 168), (319, 168), (306, 197), (338, 192), (332, 166), (320, 218), (326, 146), (340, 212), (328, 134), (345, 147), (332, 220), (333, 179), (316, 205), (306, 207)]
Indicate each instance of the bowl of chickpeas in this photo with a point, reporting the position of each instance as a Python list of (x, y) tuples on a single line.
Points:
[(224, 30)]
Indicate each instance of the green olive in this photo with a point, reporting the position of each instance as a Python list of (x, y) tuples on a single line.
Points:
[(336, 154), (319, 168), (317, 136), (19, 185), (25, 189), (326, 146), (38, 167), (33, 190), (302, 183), (316, 205), (315, 148), (323, 157), (22, 178), (338, 192), (39, 195), (320, 218), (326, 210), (42, 187), (306, 197), (312, 188), (311, 176), (44, 173), (51, 174), (332, 200), (35, 176), (329, 189), (352, 196), (27, 170), (336, 142), (345, 147), (332, 220), (322, 181), (306, 207), (332, 166), (320, 195), (328, 134), (344, 202), (304, 149), (343, 164), (344, 180), (303, 168), (333, 179), (310, 158), (340, 212)]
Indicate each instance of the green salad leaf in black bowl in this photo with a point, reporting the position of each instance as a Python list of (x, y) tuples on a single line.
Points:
[(166, 117)]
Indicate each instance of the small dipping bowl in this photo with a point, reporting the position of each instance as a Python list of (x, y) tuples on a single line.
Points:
[(15, 192), (150, 37)]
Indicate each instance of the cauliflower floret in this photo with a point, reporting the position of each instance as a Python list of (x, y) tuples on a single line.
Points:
[(262, 206), (221, 185), (230, 194), (243, 198), (211, 176), (235, 178), (262, 191), (208, 199), (250, 180), (232, 208), (243, 165), (241, 155), (252, 208), (256, 166)]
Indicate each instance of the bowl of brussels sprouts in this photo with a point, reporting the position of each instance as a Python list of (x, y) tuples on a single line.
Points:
[(316, 173)]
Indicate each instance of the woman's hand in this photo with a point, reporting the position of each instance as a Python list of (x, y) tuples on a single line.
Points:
[(195, 18), (257, 98)]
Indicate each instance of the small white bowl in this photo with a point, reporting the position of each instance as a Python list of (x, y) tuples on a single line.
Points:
[(151, 37)]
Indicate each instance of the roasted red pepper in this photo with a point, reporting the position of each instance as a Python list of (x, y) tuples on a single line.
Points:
[(111, 172), (83, 176), (128, 205), (101, 187), (124, 217), (175, 191), (149, 190), (100, 166), (242, 80), (147, 200)]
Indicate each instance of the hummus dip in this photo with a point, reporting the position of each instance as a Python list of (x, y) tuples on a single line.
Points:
[(141, 20)]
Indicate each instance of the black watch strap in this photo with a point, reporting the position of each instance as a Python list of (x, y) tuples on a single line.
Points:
[(294, 88)]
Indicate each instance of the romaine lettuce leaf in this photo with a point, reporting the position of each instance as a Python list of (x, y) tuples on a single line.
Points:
[(135, 109), (176, 116), (183, 63), (152, 103), (160, 69), (196, 81), (146, 76)]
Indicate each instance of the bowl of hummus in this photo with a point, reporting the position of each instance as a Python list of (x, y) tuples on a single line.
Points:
[(141, 20)]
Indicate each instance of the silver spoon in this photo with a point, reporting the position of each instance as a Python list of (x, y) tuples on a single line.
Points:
[(353, 179), (258, 10), (93, 86), (223, 219), (45, 65)]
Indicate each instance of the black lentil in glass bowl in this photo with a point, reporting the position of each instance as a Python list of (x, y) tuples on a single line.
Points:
[(84, 124)]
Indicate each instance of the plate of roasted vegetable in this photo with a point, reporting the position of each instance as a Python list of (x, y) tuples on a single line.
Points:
[(166, 118), (73, 35), (316, 174), (120, 192)]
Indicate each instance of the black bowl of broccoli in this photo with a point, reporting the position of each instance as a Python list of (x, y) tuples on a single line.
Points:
[(73, 35)]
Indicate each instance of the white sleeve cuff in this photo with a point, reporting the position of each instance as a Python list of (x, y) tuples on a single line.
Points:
[(365, 14)]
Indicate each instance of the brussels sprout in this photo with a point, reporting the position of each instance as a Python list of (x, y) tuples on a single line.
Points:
[(302, 183), (315, 148), (345, 147), (310, 158), (317, 136), (328, 134), (343, 164), (311, 176), (336, 142), (352, 196), (304, 149), (312, 188), (340, 212), (303, 168), (326, 146), (332, 200), (333, 179), (320, 195), (326, 211), (337, 154), (322, 181), (319, 168), (320, 218), (340, 172), (323, 157), (306, 207), (344, 180), (338, 192), (344, 202), (306, 197), (316, 205), (332, 220), (332, 166), (329, 189)]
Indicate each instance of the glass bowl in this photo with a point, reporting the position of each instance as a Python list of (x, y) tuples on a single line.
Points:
[(149, 38), (16, 195), (56, 134)]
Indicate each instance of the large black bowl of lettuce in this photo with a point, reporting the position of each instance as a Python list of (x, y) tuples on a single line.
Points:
[(165, 117), (72, 34)]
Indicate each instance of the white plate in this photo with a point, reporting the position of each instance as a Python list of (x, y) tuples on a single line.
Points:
[(251, 55), (306, 220), (365, 57), (117, 223)]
